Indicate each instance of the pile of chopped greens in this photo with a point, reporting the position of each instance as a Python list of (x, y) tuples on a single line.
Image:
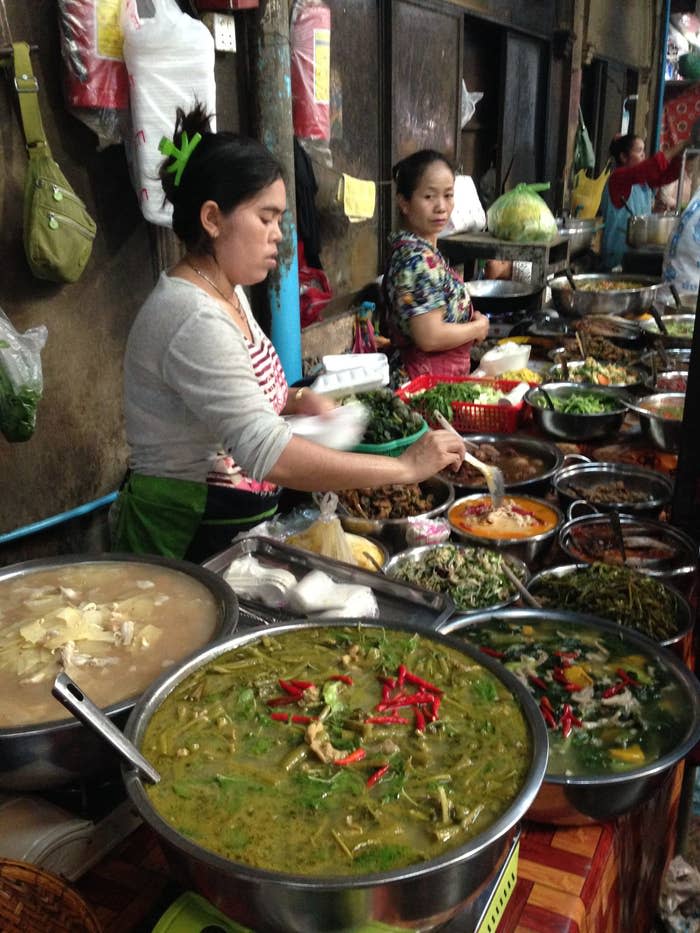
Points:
[(441, 396), (390, 418)]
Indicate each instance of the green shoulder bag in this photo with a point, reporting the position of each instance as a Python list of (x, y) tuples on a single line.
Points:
[(58, 231)]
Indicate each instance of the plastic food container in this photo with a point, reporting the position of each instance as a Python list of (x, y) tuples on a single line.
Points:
[(504, 357)]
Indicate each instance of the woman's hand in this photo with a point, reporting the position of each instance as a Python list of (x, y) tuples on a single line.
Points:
[(481, 331), (305, 401), (432, 452)]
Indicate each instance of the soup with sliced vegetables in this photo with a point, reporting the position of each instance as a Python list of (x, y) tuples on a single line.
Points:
[(337, 750), (609, 706), (113, 627)]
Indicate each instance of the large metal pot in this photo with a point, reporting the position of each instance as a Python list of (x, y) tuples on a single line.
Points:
[(501, 296), (656, 488), (420, 897), (581, 232), (580, 302), (570, 800), (572, 426), (650, 229), (52, 754)]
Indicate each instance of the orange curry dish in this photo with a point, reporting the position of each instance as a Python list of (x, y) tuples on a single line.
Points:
[(518, 517)]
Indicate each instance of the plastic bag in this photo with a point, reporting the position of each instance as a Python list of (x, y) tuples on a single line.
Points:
[(584, 154), (325, 536), (21, 381), (170, 60), (468, 103), (586, 194), (522, 216), (467, 213)]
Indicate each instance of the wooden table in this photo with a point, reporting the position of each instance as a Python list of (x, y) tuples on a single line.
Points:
[(600, 878)]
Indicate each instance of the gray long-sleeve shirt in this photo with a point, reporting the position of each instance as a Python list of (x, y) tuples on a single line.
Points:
[(190, 389)]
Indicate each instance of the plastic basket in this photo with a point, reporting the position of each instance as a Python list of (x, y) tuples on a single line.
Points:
[(392, 448), (470, 417), (34, 901)]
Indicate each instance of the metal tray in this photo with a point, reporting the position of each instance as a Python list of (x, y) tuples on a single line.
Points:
[(398, 602)]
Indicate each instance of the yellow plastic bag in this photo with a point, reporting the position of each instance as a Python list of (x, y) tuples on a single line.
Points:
[(586, 194)]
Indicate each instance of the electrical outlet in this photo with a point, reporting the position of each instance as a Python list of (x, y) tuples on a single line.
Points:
[(223, 27)]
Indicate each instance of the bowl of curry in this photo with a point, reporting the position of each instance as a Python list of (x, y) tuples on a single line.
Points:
[(324, 776), (524, 526)]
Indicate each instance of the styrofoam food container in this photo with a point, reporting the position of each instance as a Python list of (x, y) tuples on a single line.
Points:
[(336, 362), (341, 428), (504, 357), (348, 381)]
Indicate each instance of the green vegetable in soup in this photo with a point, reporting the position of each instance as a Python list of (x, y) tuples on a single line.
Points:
[(337, 750), (608, 705)]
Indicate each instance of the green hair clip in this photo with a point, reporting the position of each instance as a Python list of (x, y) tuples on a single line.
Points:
[(180, 156)]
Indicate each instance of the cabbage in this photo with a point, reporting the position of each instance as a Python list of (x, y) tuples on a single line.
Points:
[(522, 216)]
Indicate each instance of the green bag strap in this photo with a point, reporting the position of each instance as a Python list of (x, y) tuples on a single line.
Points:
[(27, 88)]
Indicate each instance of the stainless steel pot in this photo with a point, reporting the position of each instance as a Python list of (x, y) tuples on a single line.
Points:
[(664, 433), (677, 567), (651, 229), (570, 426), (570, 800), (529, 549), (500, 296), (52, 754), (656, 487), (528, 447), (580, 232), (581, 302), (420, 897)]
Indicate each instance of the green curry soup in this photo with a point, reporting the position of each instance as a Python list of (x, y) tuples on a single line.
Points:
[(337, 750), (609, 707)]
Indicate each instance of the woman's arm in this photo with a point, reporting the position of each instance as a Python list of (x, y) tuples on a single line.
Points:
[(431, 333), (308, 467), (660, 169)]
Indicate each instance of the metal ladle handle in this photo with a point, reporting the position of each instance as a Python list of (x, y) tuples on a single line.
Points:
[(72, 697)]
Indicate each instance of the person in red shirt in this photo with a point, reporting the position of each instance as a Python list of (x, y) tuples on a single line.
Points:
[(629, 190)]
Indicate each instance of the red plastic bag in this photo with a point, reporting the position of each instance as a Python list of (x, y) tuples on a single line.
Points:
[(314, 291)]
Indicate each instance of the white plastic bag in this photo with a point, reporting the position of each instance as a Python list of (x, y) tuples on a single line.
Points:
[(21, 381), (170, 60), (469, 102), (467, 213)]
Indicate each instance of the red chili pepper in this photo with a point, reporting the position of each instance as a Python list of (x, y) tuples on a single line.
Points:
[(566, 727), (567, 655), (280, 717), (343, 678), (388, 720), (290, 688), (350, 759), (377, 775), (401, 672), (389, 682), (572, 688), (613, 690), (545, 701), (386, 691), (626, 679), (547, 715), (302, 684), (537, 681), (435, 708), (284, 701), (420, 720), (558, 675), (425, 684), (576, 721), (491, 651), (284, 717)]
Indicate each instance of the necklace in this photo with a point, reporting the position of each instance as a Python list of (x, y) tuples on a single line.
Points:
[(236, 305)]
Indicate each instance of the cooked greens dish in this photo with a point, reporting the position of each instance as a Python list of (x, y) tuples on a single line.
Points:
[(609, 706), (337, 751), (581, 403), (472, 576)]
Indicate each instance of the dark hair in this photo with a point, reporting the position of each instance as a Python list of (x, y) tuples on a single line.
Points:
[(223, 167), (408, 172), (621, 145)]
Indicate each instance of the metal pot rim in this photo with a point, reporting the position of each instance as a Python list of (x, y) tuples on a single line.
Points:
[(506, 542), (682, 673), (531, 444), (153, 697), (616, 471)]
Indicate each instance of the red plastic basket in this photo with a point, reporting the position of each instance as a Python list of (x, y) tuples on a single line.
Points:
[(470, 417)]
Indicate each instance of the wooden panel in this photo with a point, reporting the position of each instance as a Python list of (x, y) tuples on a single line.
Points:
[(537, 17), (482, 72), (525, 110)]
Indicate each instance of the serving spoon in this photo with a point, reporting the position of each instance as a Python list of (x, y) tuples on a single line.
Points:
[(520, 587), (75, 701), (493, 475)]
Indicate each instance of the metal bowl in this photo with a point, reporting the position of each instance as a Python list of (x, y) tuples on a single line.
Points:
[(528, 549), (671, 340), (528, 447), (50, 754), (678, 566), (656, 487), (501, 296), (394, 529), (421, 897), (417, 554), (581, 232), (675, 358), (571, 800), (578, 303), (636, 375), (683, 621), (651, 229), (664, 433), (661, 381), (571, 427)]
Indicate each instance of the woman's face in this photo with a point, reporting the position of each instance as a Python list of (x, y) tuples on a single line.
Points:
[(636, 152), (246, 245), (428, 209)]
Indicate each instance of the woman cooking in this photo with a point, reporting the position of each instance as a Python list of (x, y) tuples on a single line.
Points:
[(200, 377), (628, 191), (429, 313)]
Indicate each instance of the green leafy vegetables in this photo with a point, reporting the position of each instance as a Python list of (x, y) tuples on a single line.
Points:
[(441, 396), (390, 418), (581, 403)]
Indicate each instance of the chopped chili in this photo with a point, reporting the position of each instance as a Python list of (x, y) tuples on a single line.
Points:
[(491, 651), (388, 720), (626, 679), (343, 678), (302, 684), (284, 717), (425, 684), (401, 672), (350, 759), (537, 681), (420, 720), (284, 701), (613, 690), (289, 688), (377, 775), (547, 715)]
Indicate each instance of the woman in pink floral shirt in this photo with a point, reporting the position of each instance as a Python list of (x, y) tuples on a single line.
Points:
[(430, 315)]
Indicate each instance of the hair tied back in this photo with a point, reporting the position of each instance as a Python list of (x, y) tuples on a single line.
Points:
[(181, 155)]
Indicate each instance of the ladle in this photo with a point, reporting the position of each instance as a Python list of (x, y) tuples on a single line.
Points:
[(617, 535), (547, 397), (561, 360), (494, 476), (570, 279), (72, 697), (373, 560), (520, 587), (659, 322)]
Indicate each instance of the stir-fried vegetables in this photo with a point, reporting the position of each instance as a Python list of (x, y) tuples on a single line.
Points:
[(472, 576), (591, 370), (581, 403)]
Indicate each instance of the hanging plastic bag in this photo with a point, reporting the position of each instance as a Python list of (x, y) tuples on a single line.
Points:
[(468, 103), (325, 536), (584, 154), (21, 381), (467, 213), (586, 194), (522, 216), (170, 60)]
